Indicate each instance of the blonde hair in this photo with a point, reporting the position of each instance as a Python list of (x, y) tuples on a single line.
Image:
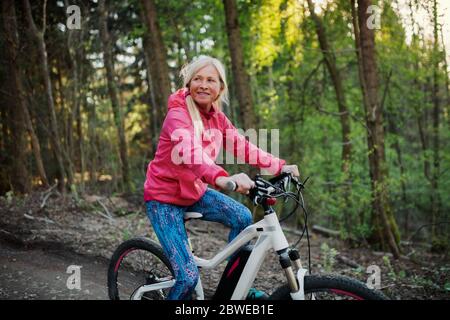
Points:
[(188, 72)]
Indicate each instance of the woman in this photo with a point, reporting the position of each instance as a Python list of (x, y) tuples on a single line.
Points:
[(177, 178)]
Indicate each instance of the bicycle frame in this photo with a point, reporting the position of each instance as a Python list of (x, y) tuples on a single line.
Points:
[(270, 236)]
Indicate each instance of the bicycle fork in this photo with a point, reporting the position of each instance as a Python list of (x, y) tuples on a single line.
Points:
[(295, 281)]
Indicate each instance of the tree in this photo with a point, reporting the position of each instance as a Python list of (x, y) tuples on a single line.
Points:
[(344, 115), (384, 221), (113, 94), (157, 57), (75, 48), (19, 174), (436, 59), (38, 36), (240, 76)]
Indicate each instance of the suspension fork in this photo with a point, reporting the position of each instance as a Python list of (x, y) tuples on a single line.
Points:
[(295, 281), (286, 264)]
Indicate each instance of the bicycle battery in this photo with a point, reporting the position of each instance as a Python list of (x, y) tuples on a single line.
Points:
[(232, 273)]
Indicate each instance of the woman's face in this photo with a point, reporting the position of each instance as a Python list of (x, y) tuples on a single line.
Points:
[(205, 86)]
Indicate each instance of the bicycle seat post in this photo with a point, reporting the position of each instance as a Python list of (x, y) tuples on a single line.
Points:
[(187, 235), (188, 216)]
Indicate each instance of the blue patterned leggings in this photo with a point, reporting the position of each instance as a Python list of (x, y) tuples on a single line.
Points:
[(167, 221)]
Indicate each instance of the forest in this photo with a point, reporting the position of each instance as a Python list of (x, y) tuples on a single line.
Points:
[(357, 89)]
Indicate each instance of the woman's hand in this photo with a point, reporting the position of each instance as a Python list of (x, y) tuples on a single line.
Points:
[(243, 182), (291, 169)]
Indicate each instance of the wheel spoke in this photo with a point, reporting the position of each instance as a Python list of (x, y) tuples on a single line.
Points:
[(139, 266)]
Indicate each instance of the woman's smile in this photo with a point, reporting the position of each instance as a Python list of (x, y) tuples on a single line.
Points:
[(205, 87)]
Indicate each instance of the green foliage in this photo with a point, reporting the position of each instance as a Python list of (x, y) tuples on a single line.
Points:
[(9, 196), (292, 92), (328, 257), (392, 274), (266, 26), (447, 286)]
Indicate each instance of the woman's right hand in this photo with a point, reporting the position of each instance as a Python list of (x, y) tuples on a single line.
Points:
[(243, 182)]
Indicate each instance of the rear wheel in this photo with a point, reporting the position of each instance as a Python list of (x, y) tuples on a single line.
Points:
[(135, 263), (331, 288)]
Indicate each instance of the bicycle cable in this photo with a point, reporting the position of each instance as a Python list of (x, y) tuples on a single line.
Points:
[(295, 197), (305, 228)]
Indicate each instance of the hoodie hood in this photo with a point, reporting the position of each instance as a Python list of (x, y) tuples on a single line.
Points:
[(178, 99)]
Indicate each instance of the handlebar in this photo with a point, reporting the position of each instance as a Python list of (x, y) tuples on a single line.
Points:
[(273, 188), (264, 189)]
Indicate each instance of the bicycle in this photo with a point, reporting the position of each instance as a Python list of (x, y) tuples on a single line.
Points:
[(139, 269)]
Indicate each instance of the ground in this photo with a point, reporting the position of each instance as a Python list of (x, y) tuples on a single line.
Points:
[(43, 234)]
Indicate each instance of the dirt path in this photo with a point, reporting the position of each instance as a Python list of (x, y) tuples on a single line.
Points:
[(42, 274), (84, 233)]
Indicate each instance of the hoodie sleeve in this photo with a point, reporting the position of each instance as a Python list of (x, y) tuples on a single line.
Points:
[(246, 151), (187, 149)]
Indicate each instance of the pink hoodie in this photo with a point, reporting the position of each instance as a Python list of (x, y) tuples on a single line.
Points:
[(183, 166)]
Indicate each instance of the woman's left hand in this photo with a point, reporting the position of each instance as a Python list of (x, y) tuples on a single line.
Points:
[(291, 169)]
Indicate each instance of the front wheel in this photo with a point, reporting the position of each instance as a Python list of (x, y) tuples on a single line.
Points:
[(331, 288)]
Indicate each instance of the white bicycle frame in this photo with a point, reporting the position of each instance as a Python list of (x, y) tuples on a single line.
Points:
[(270, 236)]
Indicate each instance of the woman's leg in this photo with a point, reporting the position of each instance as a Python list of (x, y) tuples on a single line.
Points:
[(218, 207), (167, 221)]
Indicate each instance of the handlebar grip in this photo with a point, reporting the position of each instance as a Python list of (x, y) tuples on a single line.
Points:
[(279, 177), (231, 186)]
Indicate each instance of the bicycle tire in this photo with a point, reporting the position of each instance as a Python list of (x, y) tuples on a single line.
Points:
[(333, 285), (140, 244)]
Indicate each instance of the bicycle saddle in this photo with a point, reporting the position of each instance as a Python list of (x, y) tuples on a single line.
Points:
[(192, 215)]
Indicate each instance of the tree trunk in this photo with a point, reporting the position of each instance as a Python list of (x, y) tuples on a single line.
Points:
[(241, 79), (112, 89), (393, 128), (92, 163), (42, 53), (447, 77), (423, 134), (435, 212), (247, 116), (159, 71), (67, 121), (336, 78), (381, 209), (10, 27), (154, 106), (74, 38), (79, 121), (5, 141)]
